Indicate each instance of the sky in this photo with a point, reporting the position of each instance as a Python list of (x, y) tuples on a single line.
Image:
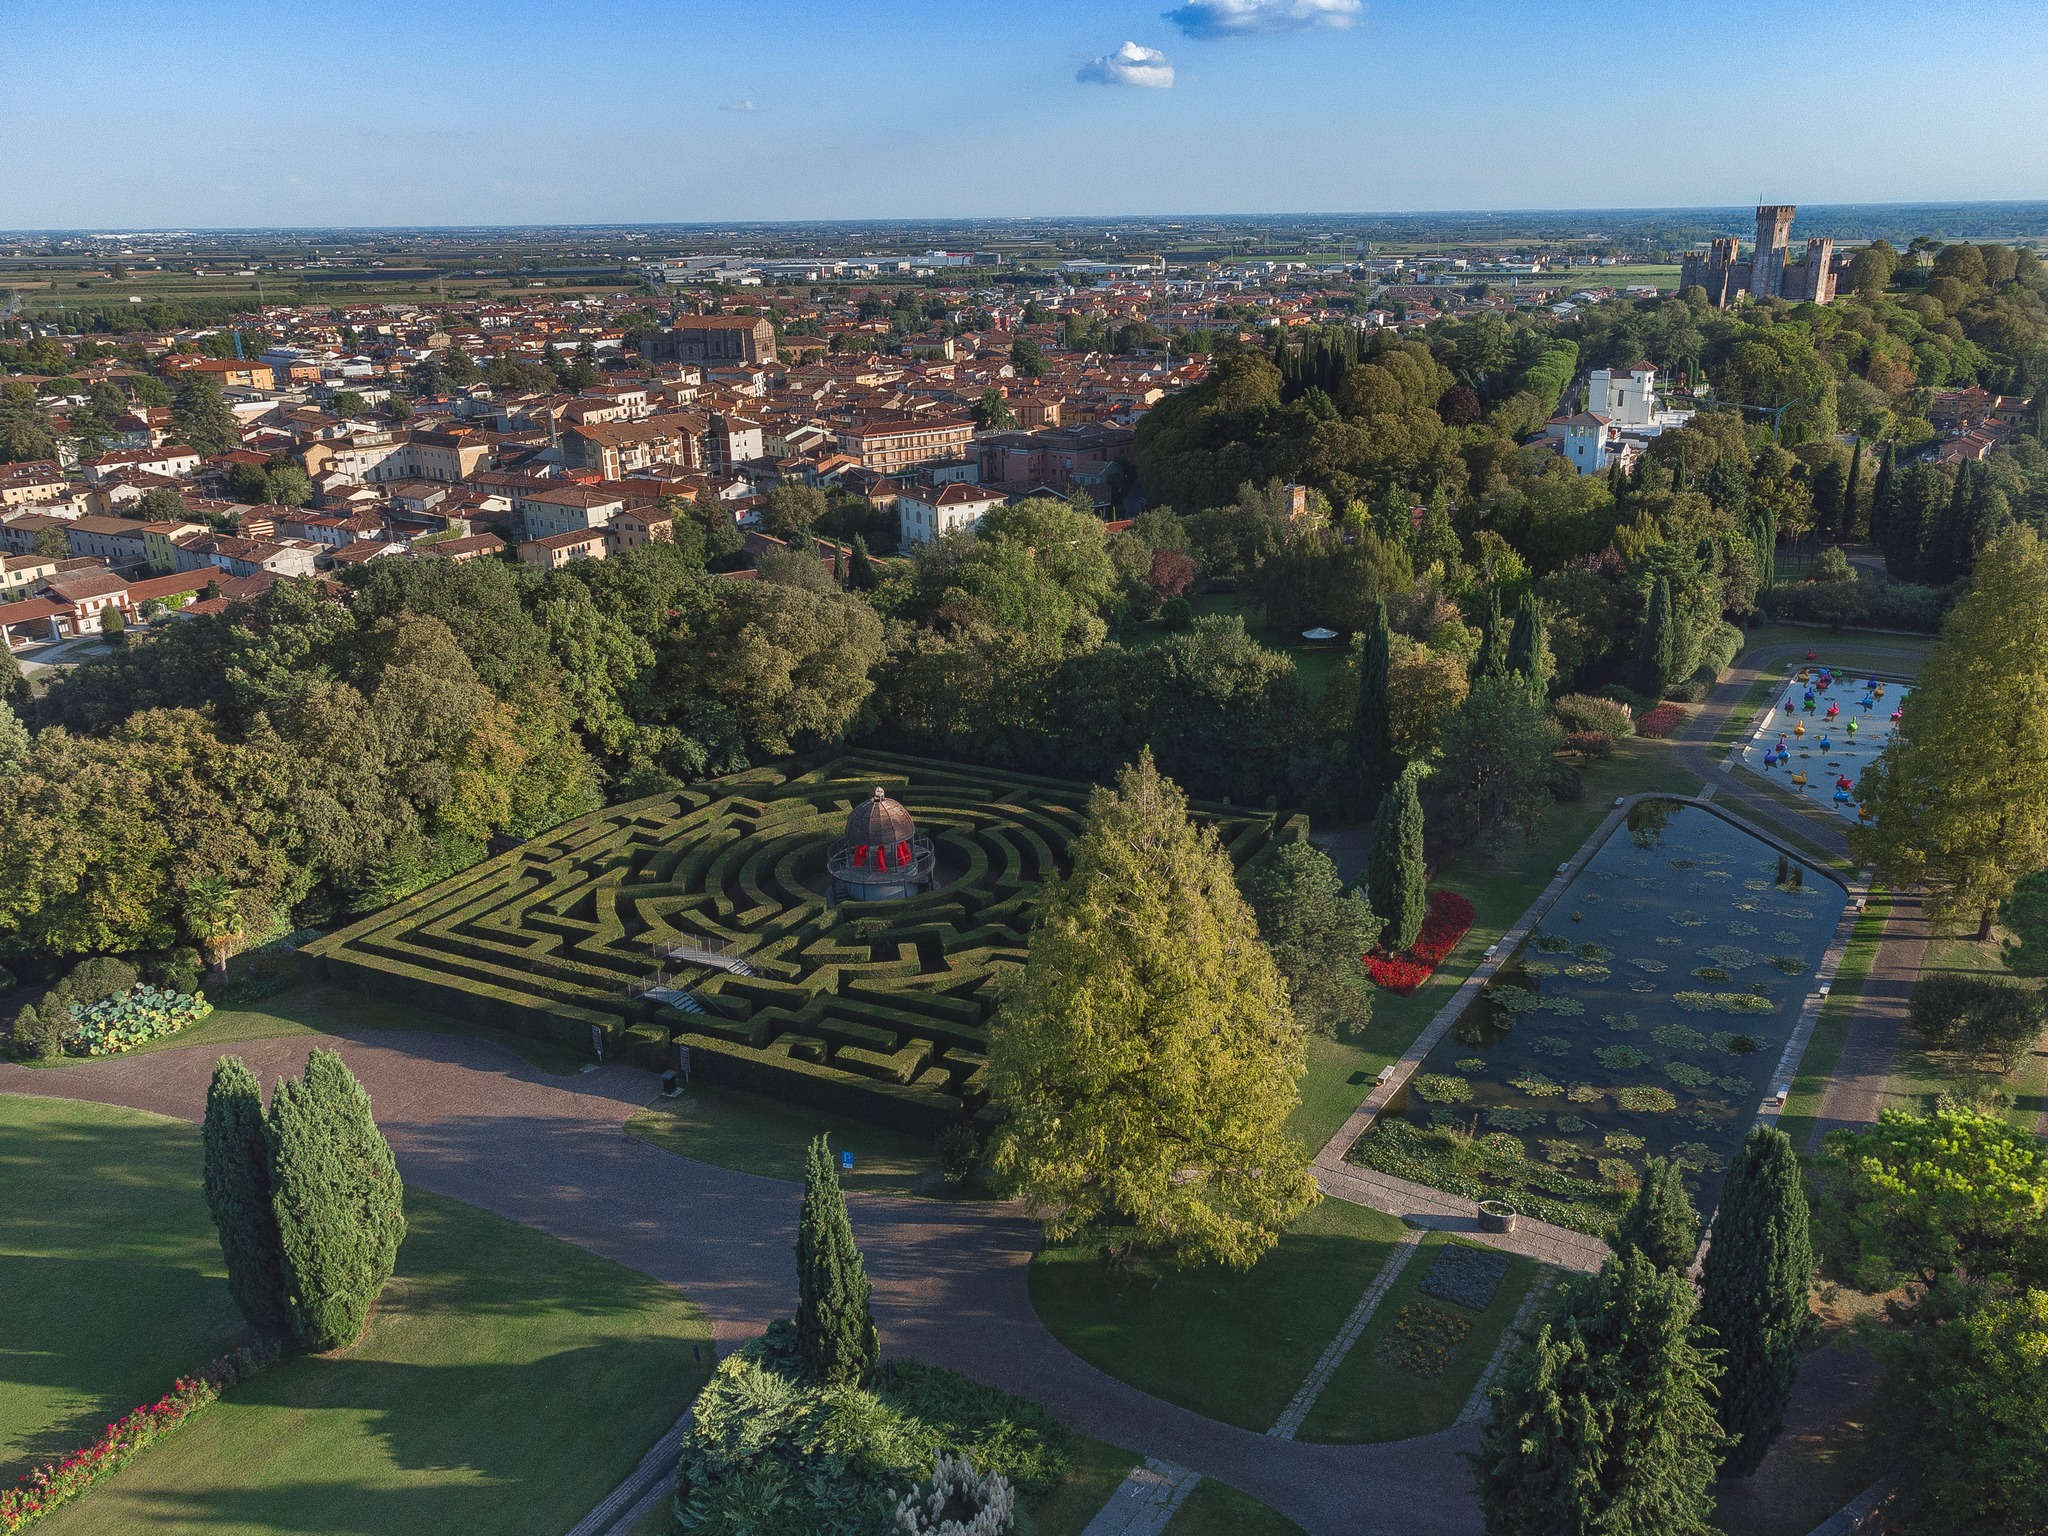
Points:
[(223, 113)]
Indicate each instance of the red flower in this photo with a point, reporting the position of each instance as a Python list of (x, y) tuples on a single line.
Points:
[(1443, 925), (1659, 721)]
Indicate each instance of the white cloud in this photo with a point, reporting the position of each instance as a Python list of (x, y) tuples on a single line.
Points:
[(1129, 65), (744, 104), (1237, 18)]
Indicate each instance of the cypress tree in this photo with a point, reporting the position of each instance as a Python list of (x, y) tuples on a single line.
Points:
[(1851, 489), (1396, 878), (1659, 649), (1678, 472), (1529, 648), (835, 1329), (1754, 1292), (860, 573), (838, 565), (1661, 1224), (1492, 660), (1372, 747), (1884, 502), (237, 1179), (1605, 1424), (339, 1203)]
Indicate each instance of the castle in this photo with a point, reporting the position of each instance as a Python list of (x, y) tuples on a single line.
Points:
[(1767, 273)]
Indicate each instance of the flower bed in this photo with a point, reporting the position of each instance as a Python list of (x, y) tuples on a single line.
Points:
[(136, 1017), (1422, 1338), (56, 1483), (1466, 1277), (1660, 721), (1446, 921)]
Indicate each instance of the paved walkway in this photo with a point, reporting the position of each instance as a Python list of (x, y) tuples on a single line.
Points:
[(1870, 1055), (469, 1119), (1422, 1206)]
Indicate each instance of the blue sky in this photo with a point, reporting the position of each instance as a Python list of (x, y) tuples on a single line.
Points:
[(221, 112)]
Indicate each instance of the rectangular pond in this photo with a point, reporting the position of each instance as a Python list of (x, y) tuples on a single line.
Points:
[(1798, 739), (1643, 1017)]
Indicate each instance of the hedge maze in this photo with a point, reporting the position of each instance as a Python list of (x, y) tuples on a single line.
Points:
[(878, 1009)]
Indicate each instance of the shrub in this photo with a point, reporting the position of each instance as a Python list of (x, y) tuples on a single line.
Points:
[(958, 1501), (1977, 1014), (117, 1024), (1578, 712), (1449, 916), (768, 1449), (1178, 613), (1832, 565), (959, 1150), (1567, 784), (38, 1037), (1589, 744), (1395, 974), (178, 970), (100, 976), (1882, 605), (1660, 721)]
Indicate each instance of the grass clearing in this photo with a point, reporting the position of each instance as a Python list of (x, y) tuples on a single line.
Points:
[(1831, 1029), (507, 1381), (1232, 1346), (1924, 1075), (1314, 664), (1370, 1399), (1876, 651), (730, 1128), (1217, 1509)]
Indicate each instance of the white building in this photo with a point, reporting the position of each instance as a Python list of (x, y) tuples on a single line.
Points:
[(928, 513), (1620, 418)]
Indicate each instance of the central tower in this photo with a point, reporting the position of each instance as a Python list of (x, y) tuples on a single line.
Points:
[(1773, 235)]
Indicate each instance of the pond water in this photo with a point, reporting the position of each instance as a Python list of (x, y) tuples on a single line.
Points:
[(1825, 750), (1644, 1016)]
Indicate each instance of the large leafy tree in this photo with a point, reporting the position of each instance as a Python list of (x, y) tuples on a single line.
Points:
[(835, 1329), (1318, 933), (1944, 1196), (1959, 798), (1967, 1410), (1660, 1223), (1495, 777), (1759, 1270), (340, 1205), (237, 1180), (1145, 1058), (1605, 1426)]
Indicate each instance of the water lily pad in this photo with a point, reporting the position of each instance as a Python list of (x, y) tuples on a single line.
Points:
[(1560, 1152), (1586, 970), (1688, 919), (1650, 964), (1623, 1141), (1441, 1088), (1790, 965), (1583, 1093), (1645, 1098), (1551, 1045), (1711, 973), (1742, 930), (1732, 1043), (1553, 943), (1621, 1023), (1513, 999), (1509, 1117), (1733, 956), (1688, 1074), (1572, 1125), (1471, 1063), (1621, 1174), (1539, 968), (1536, 1085), (1732, 1084), (1569, 1007), (1679, 1037), (1620, 1058)]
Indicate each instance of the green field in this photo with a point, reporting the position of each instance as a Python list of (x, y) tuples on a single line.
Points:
[(506, 1383), (1235, 1347), (875, 1010), (731, 1128)]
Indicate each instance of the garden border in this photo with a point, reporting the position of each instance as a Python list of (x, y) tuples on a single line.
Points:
[(1333, 1172)]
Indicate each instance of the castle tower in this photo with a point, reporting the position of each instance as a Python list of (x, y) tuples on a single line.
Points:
[(1773, 234)]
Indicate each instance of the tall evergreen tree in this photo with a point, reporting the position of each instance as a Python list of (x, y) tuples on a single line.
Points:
[(835, 1327), (1605, 1424), (1852, 489), (1373, 765), (1145, 1057), (1529, 648), (1945, 551), (1661, 1222), (1678, 472), (201, 418), (15, 742), (1492, 659), (1883, 494), (236, 1168), (1396, 877), (1656, 656), (339, 1203), (860, 571), (1754, 1292)]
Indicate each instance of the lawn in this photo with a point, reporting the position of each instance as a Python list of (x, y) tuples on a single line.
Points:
[(1370, 1398), (1235, 1347), (318, 1008), (1923, 1075), (1501, 884), (1314, 665), (1888, 654), (754, 1134), (507, 1381)]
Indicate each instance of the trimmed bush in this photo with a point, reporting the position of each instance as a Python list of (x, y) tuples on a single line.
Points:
[(238, 1194), (1843, 604), (340, 1206)]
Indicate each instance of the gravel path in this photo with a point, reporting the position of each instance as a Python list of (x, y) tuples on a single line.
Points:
[(470, 1120)]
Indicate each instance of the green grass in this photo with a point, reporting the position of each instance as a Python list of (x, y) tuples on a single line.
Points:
[(1831, 1029), (1923, 1075), (506, 1382), (1368, 1399), (1737, 725), (1888, 654), (1314, 665), (1500, 885), (1217, 1509), (744, 1131), (318, 1008), (1232, 1346), (109, 1267), (1097, 1471)]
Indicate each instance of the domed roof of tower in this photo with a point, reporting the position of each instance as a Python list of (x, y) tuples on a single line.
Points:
[(879, 822)]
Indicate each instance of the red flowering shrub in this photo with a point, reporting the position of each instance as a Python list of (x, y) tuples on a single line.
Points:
[(1445, 922), (1589, 744), (1660, 721), (54, 1483)]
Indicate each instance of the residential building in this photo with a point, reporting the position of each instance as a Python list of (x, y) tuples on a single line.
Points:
[(712, 339), (558, 508), (896, 443), (926, 513)]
